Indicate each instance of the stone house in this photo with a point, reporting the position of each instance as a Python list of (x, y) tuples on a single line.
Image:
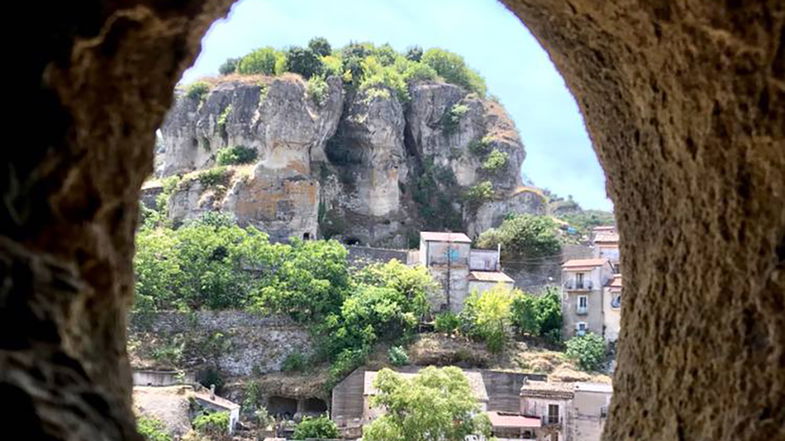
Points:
[(611, 308), (458, 268), (605, 241), (583, 281), (589, 411), (550, 403), (208, 399)]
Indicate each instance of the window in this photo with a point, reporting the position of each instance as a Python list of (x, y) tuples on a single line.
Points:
[(553, 413), (616, 301), (581, 328), (579, 280)]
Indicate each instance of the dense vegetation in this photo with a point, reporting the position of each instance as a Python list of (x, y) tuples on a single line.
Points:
[(211, 263), (587, 350), (434, 404), (320, 427), (378, 70), (524, 239), (152, 429)]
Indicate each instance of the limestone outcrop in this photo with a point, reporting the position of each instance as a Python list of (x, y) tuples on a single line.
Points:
[(362, 167)]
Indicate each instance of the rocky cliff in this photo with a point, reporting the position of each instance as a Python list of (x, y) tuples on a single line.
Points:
[(361, 167)]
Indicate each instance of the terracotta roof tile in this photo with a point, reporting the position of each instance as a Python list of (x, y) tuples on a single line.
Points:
[(573, 263), (490, 276)]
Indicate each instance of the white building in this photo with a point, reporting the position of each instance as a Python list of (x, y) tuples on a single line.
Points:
[(583, 283), (611, 308)]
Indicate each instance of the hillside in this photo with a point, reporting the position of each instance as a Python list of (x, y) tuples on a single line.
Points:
[(363, 161)]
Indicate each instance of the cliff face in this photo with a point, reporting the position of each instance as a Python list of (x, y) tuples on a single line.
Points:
[(359, 167)]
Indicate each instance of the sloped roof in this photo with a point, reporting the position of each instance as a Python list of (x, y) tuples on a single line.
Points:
[(584, 263), (594, 387), (604, 228), (504, 419), (615, 281), (475, 380), (434, 236), (490, 276)]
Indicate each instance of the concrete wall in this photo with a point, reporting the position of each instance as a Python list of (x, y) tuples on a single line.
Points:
[(347, 402), (504, 389), (588, 414), (458, 287), (161, 378)]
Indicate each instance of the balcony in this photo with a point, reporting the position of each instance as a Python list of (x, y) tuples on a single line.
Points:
[(551, 420), (578, 285), (582, 310)]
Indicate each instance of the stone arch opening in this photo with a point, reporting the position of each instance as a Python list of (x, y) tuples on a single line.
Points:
[(685, 104), (314, 406), (282, 407)]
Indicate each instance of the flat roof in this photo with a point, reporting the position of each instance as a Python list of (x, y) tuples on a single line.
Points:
[(216, 400), (490, 276), (504, 419), (435, 236), (594, 387), (584, 263), (606, 237)]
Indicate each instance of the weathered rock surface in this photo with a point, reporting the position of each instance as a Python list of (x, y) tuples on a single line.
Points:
[(341, 168)]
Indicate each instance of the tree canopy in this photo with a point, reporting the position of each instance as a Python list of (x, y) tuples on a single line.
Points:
[(435, 404), (524, 238)]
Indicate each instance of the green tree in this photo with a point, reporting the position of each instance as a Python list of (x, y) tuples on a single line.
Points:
[(587, 350), (487, 315), (415, 283), (524, 314), (414, 53), (436, 404), (538, 315), (152, 429), (524, 238), (304, 61), (319, 427), (453, 69), (229, 66), (260, 61), (320, 45), (235, 155), (212, 424)]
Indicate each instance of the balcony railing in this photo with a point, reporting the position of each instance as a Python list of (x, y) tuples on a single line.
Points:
[(577, 285), (582, 310), (549, 420)]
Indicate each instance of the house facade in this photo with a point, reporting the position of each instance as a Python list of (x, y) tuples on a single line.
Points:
[(611, 305), (550, 403), (458, 268), (583, 283), (605, 241), (589, 411)]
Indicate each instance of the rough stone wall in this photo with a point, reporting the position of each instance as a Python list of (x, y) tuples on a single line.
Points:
[(685, 104), (247, 343)]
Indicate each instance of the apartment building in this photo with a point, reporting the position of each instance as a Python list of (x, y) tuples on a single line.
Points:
[(583, 282)]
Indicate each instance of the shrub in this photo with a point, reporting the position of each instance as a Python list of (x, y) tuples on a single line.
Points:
[(447, 322), (317, 89), (197, 90), (235, 155), (229, 66), (524, 314), (524, 237), (304, 61), (587, 350), (317, 428), (216, 423), (152, 429), (213, 176), (414, 53), (416, 72), (223, 117), (294, 362), (378, 76), (480, 147), (320, 45), (333, 66), (452, 117), (478, 194), (260, 61), (487, 316), (495, 161), (398, 356), (453, 69)]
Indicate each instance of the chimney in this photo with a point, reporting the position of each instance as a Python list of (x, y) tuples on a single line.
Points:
[(212, 391)]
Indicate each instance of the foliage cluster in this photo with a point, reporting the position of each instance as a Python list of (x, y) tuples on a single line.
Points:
[(197, 90), (235, 155), (587, 350), (437, 403), (524, 238), (215, 423), (320, 427), (374, 69), (495, 161), (152, 429), (398, 356), (479, 193), (317, 89), (435, 191)]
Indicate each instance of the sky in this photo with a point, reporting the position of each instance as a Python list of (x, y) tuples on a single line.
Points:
[(559, 155)]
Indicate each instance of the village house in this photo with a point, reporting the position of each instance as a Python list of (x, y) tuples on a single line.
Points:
[(589, 411), (550, 403), (583, 282), (605, 241), (459, 269), (209, 400), (611, 308)]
